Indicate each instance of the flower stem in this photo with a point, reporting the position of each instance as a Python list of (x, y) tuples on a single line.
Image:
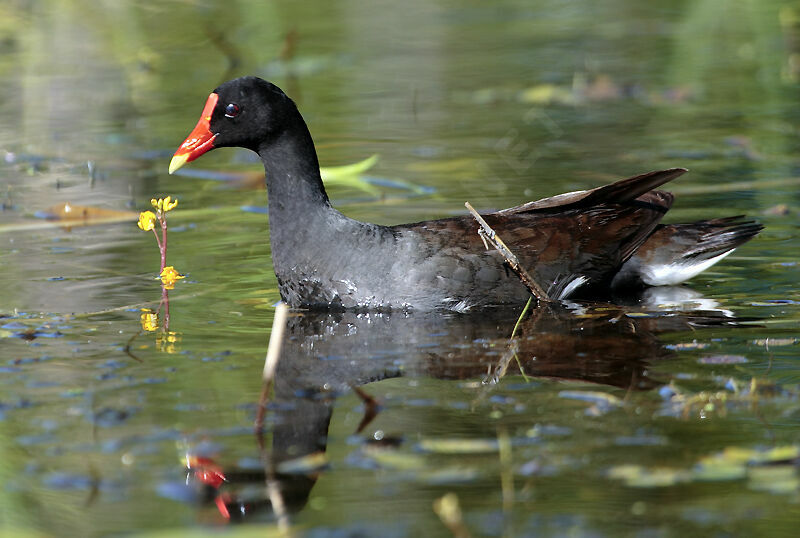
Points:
[(162, 217), (165, 304), (158, 240)]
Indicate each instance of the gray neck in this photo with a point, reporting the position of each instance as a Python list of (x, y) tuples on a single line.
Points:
[(294, 185), (300, 214)]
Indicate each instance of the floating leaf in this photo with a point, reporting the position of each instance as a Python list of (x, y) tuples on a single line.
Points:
[(602, 402), (348, 175), (780, 210), (722, 359), (335, 173), (624, 472), (449, 475), (735, 454), (780, 479), (719, 470), (770, 470), (688, 345), (777, 454), (458, 446), (393, 459), (462, 165), (775, 342), (640, 477), (545, 94), (730, 464), (354, 182), (351, 175), (84, 215)]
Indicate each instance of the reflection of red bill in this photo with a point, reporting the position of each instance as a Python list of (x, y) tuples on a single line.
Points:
[(206, 471), (199, 140), (221, 506)]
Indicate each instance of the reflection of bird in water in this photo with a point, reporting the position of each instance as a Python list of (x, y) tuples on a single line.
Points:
[(326, 354)]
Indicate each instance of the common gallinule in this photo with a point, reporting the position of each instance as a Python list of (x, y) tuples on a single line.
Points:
[(583, 243)]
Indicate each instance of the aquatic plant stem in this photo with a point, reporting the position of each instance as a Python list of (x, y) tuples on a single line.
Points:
[(160, 249), (521, 316), (165, 304), (514, 332), (162, 217)]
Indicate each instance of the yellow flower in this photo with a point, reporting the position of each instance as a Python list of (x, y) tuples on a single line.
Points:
[(149, 320), (169, 276), (166, 341), (164, 204), (147, 220)]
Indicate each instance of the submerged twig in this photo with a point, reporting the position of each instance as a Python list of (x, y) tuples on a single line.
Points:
[(488, 234), (271, 361), (272, 483), (276, 500), (449, 512), (275, 341)]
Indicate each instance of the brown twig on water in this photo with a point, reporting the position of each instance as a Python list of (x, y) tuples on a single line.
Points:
[(488, 234), (271, 361)]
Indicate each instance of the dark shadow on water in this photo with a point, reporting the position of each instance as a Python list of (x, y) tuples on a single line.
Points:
[(325, 355)]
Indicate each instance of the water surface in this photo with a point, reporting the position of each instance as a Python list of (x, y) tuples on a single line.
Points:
[(670, 415)]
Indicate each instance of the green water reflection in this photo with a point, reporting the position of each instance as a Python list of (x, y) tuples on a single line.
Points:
[(611, 430)]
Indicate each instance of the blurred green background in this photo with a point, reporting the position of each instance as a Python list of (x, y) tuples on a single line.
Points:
[(495, 103)]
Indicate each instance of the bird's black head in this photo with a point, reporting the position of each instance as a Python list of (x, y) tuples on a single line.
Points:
[(246, 112)]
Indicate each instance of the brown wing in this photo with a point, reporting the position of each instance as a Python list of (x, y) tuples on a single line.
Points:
[(586, 235), (592, 242), (620, 191)]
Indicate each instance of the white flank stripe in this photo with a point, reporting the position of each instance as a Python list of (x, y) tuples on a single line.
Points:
[(576, 283), (675, 273)]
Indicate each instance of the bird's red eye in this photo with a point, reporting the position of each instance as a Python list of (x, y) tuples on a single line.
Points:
[(231, 110)]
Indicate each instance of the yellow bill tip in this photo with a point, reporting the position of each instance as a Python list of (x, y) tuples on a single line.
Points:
[(176, 162)]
